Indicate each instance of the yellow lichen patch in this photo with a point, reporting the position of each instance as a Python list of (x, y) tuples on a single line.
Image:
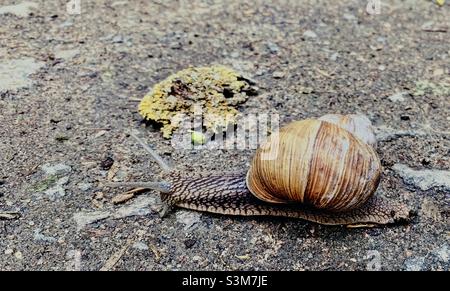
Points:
[(213, 92)]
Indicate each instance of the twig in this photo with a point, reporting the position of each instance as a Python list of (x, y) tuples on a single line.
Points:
[(159, 3), (436, 29), (9, 215), (155, 251), (112, 261)]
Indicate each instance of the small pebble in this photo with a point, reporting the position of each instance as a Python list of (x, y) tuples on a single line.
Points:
[(66, 23), (189, 243), (234, 54), (38, 236), (398, 97), (99, 195), (117, 39), (348, 16), (66, 54), (119, 3), (18, 255), (21, 10), (176, 45), (8, 251), (278, 75), (310, 34), (381, 39), (273, 47), (334, 57), (84, 186), (107, 163), (188, 218), (196, 258), (140, 246), (56, 169)]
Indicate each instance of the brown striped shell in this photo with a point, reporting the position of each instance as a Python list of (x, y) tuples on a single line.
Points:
[(357, 124), (317, 163)]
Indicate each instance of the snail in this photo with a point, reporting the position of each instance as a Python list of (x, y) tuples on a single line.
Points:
[(322, 170)]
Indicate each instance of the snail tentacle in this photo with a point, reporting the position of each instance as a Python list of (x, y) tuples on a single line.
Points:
[(158, 159)]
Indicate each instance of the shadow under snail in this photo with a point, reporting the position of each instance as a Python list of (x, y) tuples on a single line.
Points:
[(322, 170)]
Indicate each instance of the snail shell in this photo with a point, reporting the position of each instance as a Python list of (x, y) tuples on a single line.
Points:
[(315, 162), (357, 124)]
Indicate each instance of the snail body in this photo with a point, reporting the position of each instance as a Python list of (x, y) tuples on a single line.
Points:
[(228, 194), (312, 169)]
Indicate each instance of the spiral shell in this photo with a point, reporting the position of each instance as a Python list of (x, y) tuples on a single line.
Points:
[(357, 124), (317, 163)]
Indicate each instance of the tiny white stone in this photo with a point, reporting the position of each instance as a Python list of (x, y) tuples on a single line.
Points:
[(398, 97), (234, 54), (84, 186), (38, 236), (140, 246), (188, 218), (334, 57), (22, 10), (18, 255), (119, 3), (66, 54), (196, 258), (309, 33), (55, 169), (278, 74), (348, 16)]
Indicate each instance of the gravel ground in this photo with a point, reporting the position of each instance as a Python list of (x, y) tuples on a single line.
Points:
[(68, 91)]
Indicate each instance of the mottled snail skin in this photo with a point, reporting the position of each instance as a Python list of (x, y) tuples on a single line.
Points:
[(228, 194), (315, 163)]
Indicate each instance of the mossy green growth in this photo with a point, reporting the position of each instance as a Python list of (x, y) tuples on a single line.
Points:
[(213, 91)]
